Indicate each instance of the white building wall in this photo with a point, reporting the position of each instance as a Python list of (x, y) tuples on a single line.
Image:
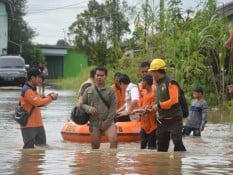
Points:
[(3, 28)]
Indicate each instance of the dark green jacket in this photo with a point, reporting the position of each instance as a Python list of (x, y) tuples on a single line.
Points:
[(91, 99), (161, 95)]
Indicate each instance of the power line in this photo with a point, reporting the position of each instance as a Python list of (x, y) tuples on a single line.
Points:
[(70, 6)]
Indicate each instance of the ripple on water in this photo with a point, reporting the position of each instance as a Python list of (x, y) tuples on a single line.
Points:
[(209, 154), (208, 164)]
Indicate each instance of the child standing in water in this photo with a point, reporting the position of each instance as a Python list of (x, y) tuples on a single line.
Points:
[(198, 114), (147, 118)]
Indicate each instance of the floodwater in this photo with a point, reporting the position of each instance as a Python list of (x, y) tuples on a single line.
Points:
[(210, 154)]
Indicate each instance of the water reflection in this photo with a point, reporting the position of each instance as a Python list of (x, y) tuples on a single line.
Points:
[(94, 162), (131, 162), (30, 162), (212, 153)]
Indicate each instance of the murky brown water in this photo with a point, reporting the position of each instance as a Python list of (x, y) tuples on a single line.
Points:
[(211, 154)]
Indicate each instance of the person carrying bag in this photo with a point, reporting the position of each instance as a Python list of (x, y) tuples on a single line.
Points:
[(33, 131)]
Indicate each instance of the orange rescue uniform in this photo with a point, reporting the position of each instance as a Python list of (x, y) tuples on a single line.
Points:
[(120, 94), (30, 99), (148, 122), (174, 97), (143, 91)]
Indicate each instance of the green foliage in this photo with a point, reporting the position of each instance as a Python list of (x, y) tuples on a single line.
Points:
[(73, 83), (99, 30), (192, 47), (191, 44), (62, 42), (19, 31), (33, 55), (21, 35)]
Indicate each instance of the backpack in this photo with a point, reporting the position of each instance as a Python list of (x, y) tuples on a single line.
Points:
[(182, 99)]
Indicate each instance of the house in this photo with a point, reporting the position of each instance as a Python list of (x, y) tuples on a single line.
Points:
[(6, 14), (62, 61)]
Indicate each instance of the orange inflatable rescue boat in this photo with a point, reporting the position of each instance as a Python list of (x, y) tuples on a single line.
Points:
[(126, 132)]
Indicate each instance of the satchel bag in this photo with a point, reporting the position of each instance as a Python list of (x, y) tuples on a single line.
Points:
[(21, 115), (102, 98)]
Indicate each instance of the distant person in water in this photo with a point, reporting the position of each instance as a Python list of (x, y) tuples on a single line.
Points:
[(198, 114), (86, 84), (43, 69)]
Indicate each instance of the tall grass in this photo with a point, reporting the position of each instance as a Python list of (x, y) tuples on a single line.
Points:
[(73, 83)]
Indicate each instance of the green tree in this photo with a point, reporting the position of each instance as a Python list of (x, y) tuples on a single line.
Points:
[(62, 42), (99, 30), (19, 31), (21, 35), (192, 47), (33, 55)]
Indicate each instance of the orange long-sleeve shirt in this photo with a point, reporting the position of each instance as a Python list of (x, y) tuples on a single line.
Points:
[(174, 97), (120, 94), (143, 91), (31, 98), (148, 122)]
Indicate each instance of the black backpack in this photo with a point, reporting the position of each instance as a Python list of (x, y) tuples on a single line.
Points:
[(182, 99)]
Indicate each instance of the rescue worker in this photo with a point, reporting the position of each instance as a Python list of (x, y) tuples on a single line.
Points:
[(167, 108), (120, 93), (147, 118), (34, 133), (143, 70)]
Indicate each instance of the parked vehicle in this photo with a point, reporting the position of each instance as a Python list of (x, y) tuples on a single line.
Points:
[(12, 71)]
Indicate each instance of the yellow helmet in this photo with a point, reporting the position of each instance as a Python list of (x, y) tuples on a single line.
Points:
[(157, 64)]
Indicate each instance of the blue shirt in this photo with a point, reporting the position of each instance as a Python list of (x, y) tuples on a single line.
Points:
[(198, 114)]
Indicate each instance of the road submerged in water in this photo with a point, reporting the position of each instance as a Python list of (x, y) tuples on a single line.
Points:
[(210, 154)]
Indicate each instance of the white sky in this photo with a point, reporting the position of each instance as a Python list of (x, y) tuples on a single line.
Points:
[(51, 18)]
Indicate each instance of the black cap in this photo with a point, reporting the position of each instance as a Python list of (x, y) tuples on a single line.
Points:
[(34, 72), (198, 89)]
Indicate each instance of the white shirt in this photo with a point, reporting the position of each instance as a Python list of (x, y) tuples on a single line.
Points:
[(131, 94)]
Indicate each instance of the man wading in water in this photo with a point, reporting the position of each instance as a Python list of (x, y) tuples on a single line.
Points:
[(102, 110), (34, 133), (167, 107)]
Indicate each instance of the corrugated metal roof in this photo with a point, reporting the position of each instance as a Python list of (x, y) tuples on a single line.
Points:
[(226, 9), (54, 51)]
